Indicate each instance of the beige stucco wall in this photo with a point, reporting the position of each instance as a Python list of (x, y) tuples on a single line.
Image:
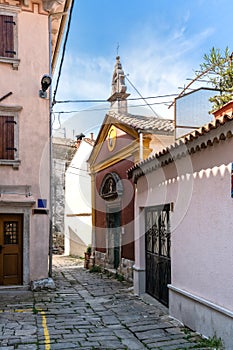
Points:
[(33, 52)]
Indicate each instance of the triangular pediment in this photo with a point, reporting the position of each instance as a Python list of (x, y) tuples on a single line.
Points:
[(113, 138)]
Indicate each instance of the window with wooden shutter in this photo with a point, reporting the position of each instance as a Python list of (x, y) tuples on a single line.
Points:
[(9, 135), (7, 142), (9, 35), (7, 24)]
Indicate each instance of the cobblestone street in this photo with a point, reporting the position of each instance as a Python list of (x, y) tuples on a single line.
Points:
[(87, 311)]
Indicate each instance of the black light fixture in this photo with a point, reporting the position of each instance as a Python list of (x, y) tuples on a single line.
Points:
[(46, 81)]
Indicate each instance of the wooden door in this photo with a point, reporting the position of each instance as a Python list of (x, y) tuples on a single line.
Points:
[(11, 243), (113, 227)]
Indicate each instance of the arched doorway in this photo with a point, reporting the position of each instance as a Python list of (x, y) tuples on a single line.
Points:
[(111, 191)]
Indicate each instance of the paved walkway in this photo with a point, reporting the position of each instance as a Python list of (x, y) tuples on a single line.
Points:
[(86, 311)]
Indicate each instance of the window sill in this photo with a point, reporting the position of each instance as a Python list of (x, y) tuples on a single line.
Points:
[(14, 61), (14, 163)]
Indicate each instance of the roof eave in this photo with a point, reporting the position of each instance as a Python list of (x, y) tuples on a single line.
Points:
[(207, 136)]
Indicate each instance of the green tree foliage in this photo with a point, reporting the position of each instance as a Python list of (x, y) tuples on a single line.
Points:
[(218, 68)]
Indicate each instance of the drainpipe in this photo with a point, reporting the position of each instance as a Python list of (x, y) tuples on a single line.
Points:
[(65, 13), (140, 146), (50, 155)]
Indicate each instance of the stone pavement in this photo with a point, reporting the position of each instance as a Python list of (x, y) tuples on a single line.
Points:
[(87, 311)]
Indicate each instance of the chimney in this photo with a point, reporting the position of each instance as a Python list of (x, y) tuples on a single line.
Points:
[(225, 109), (92, 136)]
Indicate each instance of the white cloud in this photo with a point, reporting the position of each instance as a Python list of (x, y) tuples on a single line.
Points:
[(156, 66)]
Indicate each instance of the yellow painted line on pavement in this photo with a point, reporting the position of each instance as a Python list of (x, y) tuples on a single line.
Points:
[(24, 310), (44, 323), (46, 331)]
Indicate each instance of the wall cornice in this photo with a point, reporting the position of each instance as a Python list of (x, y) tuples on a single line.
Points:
[(53, 5), (207, 136), (10, 2)]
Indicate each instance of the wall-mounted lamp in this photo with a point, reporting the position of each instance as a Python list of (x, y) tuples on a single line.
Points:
[(45, 84)]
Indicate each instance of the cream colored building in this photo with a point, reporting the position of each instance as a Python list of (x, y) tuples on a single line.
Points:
[(78, 206), (26, 30)]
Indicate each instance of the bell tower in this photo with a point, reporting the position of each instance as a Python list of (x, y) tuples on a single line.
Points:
[(118, 99)]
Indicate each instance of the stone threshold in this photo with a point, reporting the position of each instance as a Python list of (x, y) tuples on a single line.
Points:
[(13, 288)]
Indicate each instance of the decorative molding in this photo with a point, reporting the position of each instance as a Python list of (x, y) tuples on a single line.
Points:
[(34, 7), (14, 61), (8, 8), (14, 163), (53, 5), (202, 301), (7, 108), (15, 202), (113, 159), (24, 190), (50, 6), (10, 2)]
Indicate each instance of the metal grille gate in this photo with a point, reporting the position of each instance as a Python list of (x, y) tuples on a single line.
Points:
[(158, 259)]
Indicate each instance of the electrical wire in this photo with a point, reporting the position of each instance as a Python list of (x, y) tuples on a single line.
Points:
[(128, 99), (70, 172), (107, 108), (74, 167), (141, 96), (63, 52)]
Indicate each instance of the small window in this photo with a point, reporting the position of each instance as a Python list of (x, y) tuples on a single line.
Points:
[(8, 36), (9, 130)]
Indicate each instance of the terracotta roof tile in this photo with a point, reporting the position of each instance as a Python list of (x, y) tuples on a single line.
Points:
[(89, 141), (184, 141), (140, 122)]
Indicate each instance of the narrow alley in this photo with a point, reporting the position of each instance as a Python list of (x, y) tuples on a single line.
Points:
[(87, 311)]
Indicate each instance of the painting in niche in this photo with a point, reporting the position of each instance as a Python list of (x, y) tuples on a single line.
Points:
[(111, 187), (109, 190)]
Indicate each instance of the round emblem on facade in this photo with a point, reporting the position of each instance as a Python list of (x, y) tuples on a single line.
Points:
[(111, 138)]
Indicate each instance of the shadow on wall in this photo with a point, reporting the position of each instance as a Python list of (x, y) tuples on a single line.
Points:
[(77, 245)]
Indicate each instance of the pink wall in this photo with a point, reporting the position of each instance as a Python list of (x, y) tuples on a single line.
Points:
[(33, 52), (201, 223)]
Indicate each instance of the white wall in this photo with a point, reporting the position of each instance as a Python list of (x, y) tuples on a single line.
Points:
[(78, 201)]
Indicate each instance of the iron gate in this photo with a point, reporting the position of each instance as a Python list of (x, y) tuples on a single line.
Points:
[(158, 259)]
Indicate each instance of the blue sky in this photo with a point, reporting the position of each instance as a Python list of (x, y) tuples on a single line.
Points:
[(161, 44)]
